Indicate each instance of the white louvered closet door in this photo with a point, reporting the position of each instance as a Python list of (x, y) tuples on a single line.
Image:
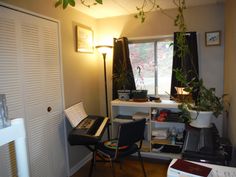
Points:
[(30, 77)]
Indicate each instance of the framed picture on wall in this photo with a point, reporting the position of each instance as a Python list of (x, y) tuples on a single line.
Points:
[(213, 38), (84, 39)]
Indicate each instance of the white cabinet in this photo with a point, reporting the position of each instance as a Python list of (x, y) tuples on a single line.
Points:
[(31, 78), (161, 139)]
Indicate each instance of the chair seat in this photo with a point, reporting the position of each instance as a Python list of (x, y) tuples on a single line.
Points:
[(128, 141), (107, 151)]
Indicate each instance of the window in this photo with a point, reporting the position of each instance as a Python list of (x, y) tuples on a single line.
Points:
[(151, 62)]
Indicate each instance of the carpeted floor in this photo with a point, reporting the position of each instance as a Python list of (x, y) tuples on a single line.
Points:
[(130, 168)]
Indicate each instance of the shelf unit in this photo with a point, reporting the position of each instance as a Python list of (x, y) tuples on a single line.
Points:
[(123, 111)]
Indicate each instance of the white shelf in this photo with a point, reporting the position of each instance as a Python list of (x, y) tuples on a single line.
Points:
[(130, 108), (16, 133), (163, 104)]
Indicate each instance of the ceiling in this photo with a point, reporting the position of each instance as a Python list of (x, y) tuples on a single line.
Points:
[(111, 8)]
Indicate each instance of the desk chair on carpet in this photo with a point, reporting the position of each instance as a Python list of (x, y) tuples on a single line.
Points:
[(129, 141)]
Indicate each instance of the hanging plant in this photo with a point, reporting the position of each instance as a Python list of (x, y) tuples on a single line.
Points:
[(65, 3)]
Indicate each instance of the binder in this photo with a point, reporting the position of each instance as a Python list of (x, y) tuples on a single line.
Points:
[(185, 168)]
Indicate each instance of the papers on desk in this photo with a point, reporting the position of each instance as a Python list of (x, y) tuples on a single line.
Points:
[(223, 173), (75, 114), (216, 170)]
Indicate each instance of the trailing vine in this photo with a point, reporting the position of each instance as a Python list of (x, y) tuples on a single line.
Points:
[(65, 3)]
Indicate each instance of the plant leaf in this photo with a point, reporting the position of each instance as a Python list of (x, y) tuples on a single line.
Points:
[(58, 3), (99, 1), (142, 19), (72, 3), (65, 4)]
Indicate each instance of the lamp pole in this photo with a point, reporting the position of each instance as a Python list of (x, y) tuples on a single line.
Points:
[(104, 49), (105, 81)]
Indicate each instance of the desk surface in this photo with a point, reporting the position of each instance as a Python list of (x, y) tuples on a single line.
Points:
[(217, 170)]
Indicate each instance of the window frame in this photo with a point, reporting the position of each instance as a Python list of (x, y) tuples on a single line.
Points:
[(155, 40)]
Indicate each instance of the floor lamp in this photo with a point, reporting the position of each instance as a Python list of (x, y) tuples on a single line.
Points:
[(104, 49)]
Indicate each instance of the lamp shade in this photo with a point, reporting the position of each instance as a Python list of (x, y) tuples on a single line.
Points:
[(103, 49)]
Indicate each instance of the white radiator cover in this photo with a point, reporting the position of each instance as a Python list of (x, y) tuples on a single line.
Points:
[(31, 78)]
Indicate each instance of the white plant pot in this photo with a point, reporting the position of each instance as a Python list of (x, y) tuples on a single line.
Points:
[(200, 119)]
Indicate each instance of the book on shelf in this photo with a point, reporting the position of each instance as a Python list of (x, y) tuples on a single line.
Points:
[(183, 167), (122, 118), (140, 115)]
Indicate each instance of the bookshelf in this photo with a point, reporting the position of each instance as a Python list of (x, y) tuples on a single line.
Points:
[(163, 148)]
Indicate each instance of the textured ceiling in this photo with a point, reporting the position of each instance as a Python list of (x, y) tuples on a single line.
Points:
[(112, 8)]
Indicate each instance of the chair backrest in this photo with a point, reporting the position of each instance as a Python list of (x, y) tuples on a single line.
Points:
[(131, 132)]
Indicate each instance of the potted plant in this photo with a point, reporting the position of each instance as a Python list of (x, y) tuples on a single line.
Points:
[(123, 78), (206, 104), (121, 81)]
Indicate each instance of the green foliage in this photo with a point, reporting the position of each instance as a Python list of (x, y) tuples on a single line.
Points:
[(99, 1), (206, 99), (65, 3), (122, 76), (144, 9), (185, 115)]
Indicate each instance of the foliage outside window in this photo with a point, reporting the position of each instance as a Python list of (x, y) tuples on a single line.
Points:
[(152, 65)]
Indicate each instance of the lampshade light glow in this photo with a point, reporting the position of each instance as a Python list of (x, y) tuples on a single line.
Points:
[(104, 49)]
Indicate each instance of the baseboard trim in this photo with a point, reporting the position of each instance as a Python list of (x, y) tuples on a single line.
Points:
[(80, 164)]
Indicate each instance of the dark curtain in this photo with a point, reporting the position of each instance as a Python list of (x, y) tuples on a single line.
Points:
[(190, 61), (121, 63)]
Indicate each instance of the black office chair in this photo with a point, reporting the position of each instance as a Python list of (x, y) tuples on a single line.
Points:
[(126, 143)]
